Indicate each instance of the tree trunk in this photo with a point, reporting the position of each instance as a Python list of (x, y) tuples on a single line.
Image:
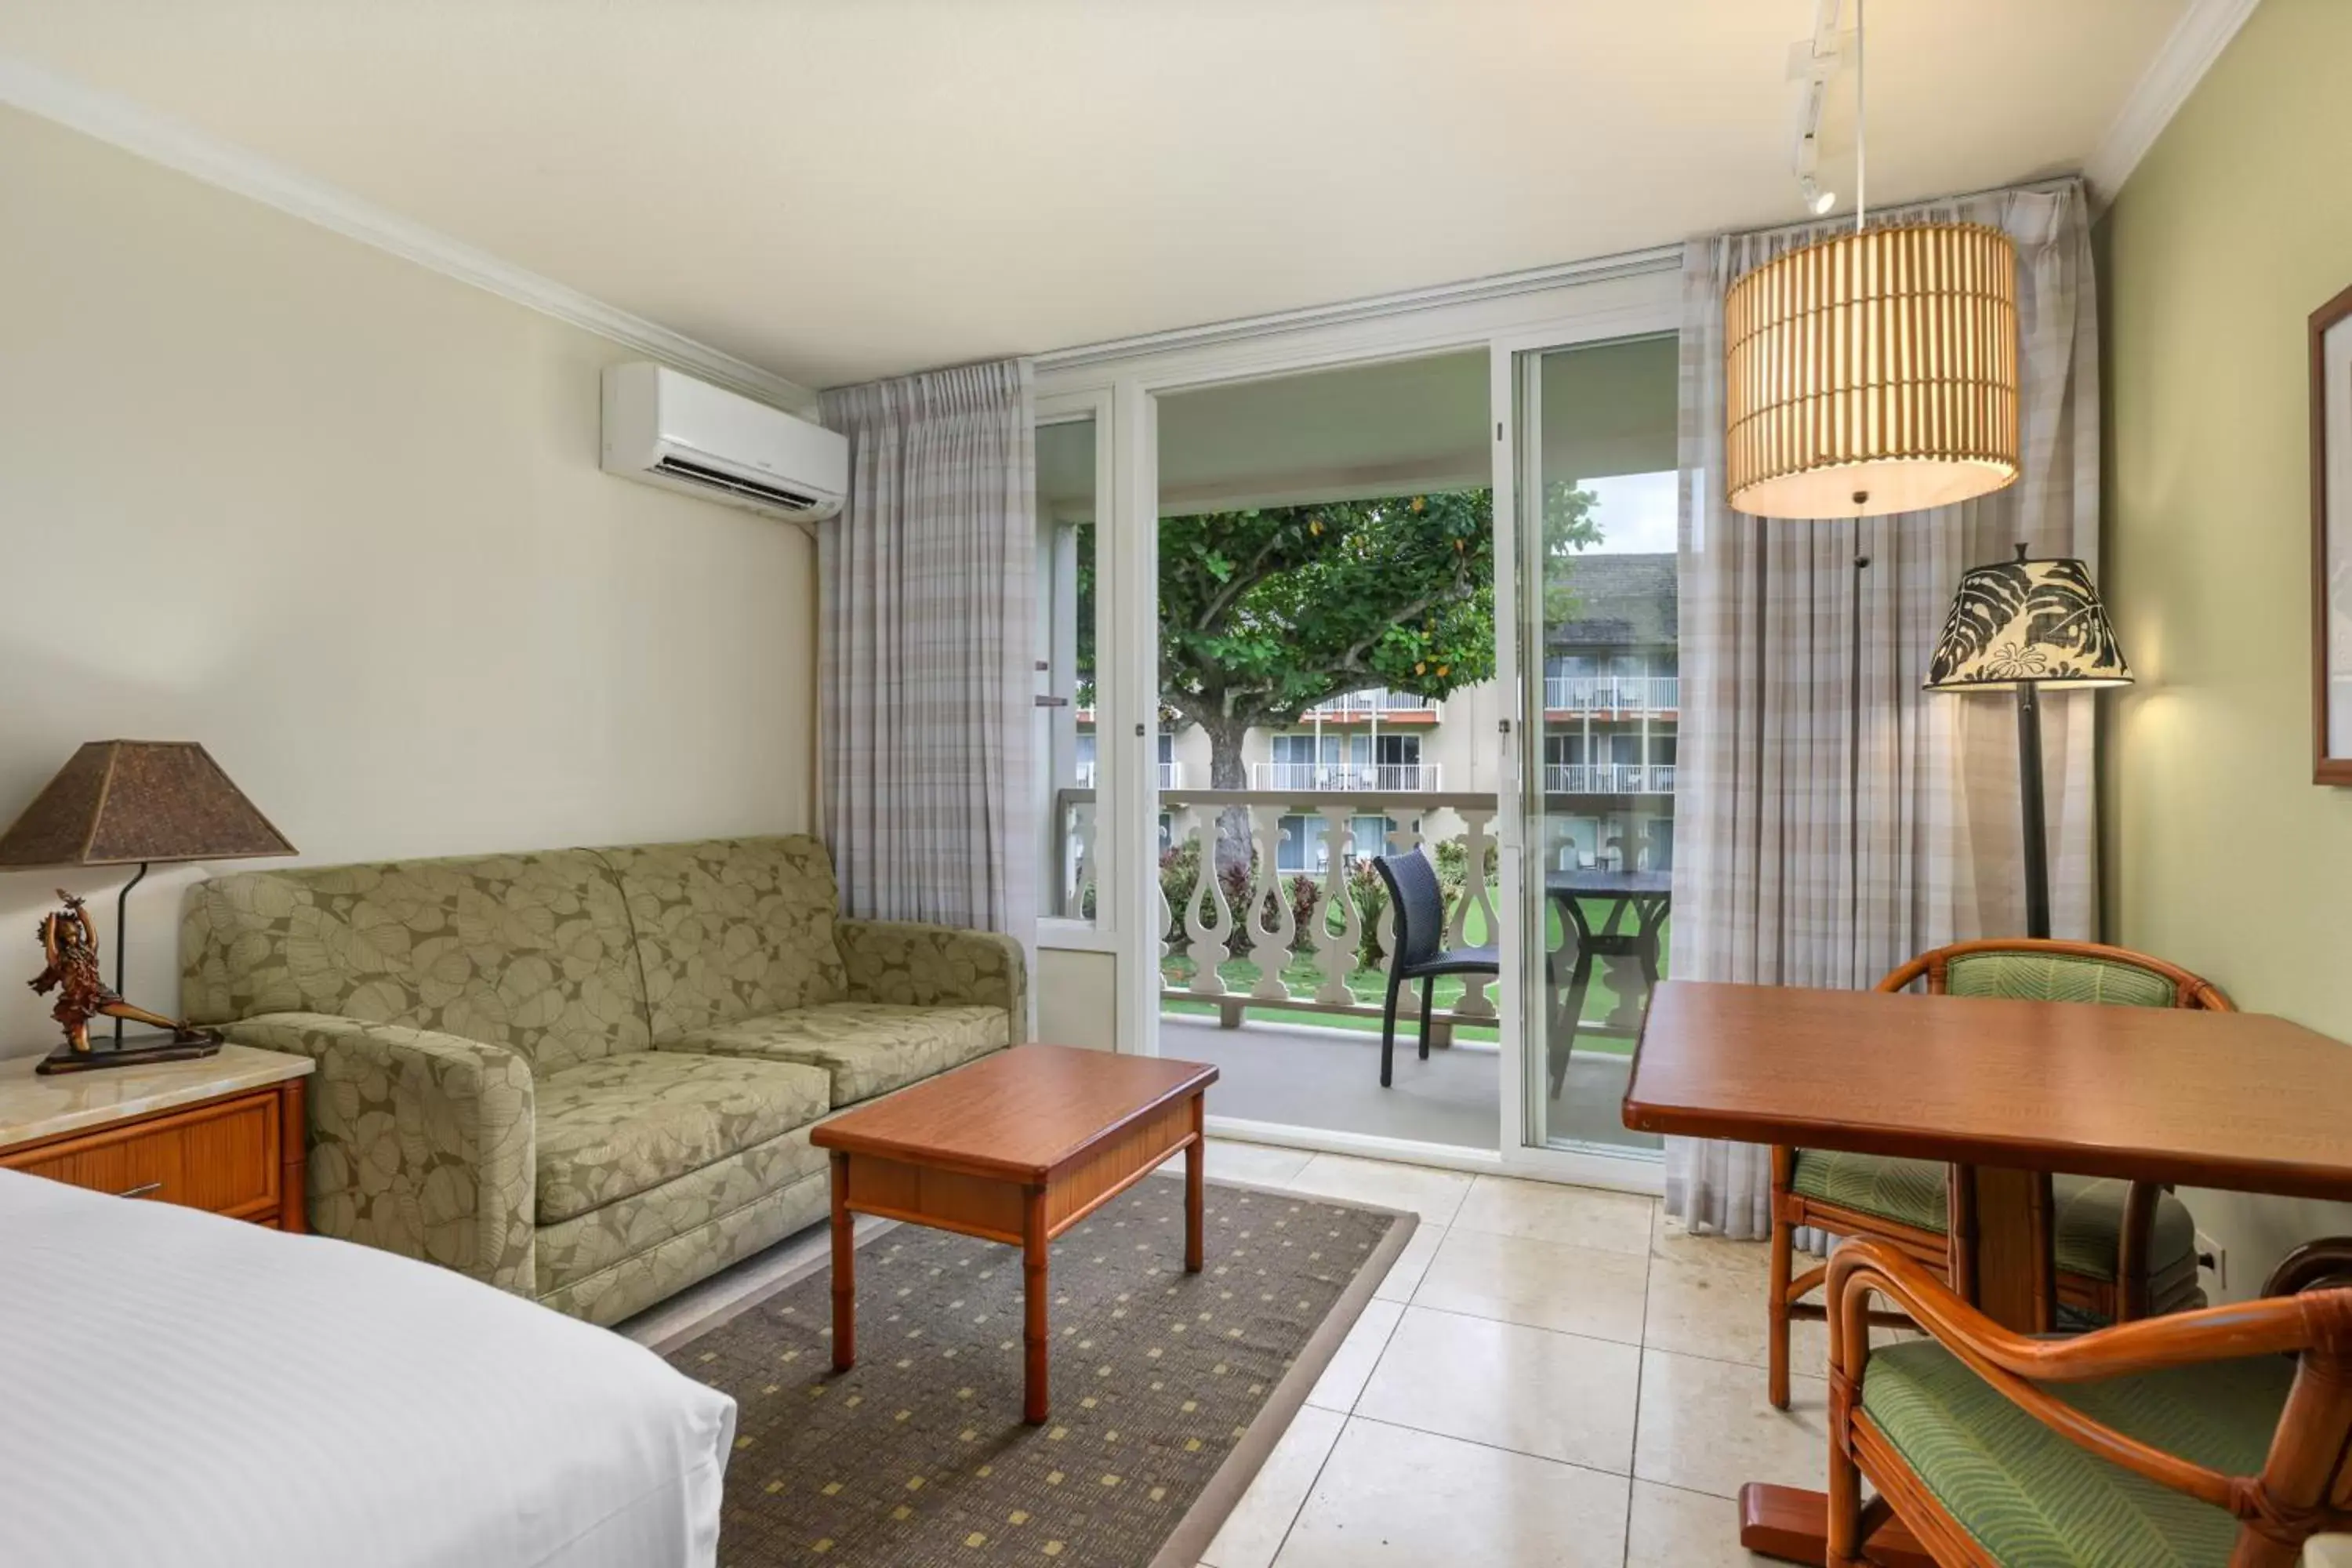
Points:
[(1227, 770)]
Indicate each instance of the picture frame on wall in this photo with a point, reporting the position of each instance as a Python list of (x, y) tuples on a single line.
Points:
[(2331, 541)]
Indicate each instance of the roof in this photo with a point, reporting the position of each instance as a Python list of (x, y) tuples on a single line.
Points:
[(1621, 601)]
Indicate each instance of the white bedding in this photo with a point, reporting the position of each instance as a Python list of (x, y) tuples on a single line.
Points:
[(180, 1389)]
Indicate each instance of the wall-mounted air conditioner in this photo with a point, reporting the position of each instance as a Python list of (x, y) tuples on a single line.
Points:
[(665, 429)]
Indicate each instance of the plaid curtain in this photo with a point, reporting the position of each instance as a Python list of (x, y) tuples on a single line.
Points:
[(1830, 830), (926, 590)]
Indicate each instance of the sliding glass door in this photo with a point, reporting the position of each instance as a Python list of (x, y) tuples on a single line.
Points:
[(1600, 712)]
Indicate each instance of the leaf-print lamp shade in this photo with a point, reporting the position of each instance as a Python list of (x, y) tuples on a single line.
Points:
[(2017, 623)]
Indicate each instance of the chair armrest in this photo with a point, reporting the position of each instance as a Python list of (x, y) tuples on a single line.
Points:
[(420, 1143), (921, 966), (2013, 1362)]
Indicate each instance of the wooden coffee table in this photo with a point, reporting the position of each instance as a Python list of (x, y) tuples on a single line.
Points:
[(1016, 1148)]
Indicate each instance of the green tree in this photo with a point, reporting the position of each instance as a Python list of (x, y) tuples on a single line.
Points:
[(1267, 612)]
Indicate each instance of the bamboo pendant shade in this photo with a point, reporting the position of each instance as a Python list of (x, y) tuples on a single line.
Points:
[(1873, 373)]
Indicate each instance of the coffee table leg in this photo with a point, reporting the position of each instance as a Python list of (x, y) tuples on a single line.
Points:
[(845, 1269), (1033, 1330), (1196, 1160)]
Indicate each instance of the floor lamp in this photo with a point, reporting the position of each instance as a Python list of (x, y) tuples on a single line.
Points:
[(2021, 626)]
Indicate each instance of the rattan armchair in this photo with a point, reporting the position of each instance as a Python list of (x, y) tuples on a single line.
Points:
[(2124, 1249), (2186, 1442)]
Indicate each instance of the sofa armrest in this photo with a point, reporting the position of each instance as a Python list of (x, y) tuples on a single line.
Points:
[(420, 1143), (937, 966)]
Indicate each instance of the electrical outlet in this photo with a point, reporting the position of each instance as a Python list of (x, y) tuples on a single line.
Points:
[(2215, 1259)]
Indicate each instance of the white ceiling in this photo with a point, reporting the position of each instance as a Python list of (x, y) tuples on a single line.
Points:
[(834, 191)]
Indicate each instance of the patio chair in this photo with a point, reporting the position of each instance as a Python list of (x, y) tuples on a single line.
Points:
[(2191, 1441), (1419, 906), (2125, 1249)]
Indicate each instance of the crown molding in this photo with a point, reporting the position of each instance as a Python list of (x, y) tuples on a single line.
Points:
[(160, 139), (1495, 285), (2196, 40)]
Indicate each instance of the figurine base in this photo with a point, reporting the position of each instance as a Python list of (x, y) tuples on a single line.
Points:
[(135, 1051)]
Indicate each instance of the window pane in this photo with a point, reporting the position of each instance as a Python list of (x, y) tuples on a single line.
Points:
[(1600, 520), (1063, 737)]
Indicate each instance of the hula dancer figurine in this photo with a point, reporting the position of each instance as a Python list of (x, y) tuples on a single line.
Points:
[(70, 944)]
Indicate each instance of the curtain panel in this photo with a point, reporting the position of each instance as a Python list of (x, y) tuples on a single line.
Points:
[(1831, 827), (926, 590)]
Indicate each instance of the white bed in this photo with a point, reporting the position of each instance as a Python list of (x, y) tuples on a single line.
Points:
[(178, 1388)]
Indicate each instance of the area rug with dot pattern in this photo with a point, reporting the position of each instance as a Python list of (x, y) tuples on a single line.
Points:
[(1168, 1389)]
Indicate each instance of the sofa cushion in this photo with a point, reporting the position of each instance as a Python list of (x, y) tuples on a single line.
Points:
[(611, 1129), (730, 928), (587, 1244), (529, 952), (2028, 1495), (2090, 1210), (869, 1047)]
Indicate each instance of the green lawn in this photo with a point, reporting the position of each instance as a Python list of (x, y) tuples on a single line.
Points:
[(1370, 987)]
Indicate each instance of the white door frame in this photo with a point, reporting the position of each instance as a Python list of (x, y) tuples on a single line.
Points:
[(1617, 304)]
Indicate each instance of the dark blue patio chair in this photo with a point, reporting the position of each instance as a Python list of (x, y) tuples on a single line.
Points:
[(1419, 906)]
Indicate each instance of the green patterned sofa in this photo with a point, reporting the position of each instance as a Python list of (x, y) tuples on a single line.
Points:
[(585, 1075)]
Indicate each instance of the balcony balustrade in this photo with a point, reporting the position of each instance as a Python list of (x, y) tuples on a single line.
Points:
[(1171, 776), (1608, 778), (1613, 693), (1360, 705), (1345, 778)]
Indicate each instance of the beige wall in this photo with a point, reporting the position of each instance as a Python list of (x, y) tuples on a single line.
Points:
[(340, 519), (2222, 854)]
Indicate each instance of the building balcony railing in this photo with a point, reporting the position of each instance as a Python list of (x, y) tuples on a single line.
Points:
[(1608, 778), (1613, 693), (1378, 699), (1345, 778), (1328, 921), (1171, 776)]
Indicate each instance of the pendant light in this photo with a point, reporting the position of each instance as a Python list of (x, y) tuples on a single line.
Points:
[(1874, 371)]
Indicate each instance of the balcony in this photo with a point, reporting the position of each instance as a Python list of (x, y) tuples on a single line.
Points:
[(1608, 778), (1344, 778), (1613, 693), (1356, 707)]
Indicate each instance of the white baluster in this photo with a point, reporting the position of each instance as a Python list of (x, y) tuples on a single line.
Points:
[(1168, 929), (1475, 1002), (1401, 840), (1209, 937), (1270, 946), (1335, 952), (1085, 880)]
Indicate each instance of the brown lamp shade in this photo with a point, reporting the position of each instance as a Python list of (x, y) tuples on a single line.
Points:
[(121, 803), (1873, 373)]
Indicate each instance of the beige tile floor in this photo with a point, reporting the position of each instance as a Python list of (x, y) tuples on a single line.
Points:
[(1549, 1375)]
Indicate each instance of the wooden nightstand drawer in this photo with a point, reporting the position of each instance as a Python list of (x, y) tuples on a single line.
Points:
[(225, 1157), (222, 1133)]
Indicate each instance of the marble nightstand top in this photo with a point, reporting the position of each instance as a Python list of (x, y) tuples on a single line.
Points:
[(33, 1108)]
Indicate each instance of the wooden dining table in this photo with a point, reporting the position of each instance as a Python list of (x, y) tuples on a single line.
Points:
[(2011, 1091)]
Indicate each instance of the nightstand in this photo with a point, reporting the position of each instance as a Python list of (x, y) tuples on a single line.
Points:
[(222, 1133)]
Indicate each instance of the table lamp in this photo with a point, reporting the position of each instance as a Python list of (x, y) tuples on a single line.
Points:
[(2021, 626), (125, 803)]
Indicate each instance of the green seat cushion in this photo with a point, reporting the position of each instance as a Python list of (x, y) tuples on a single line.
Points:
[(623, 1125), (2089, 1209), (866, 1048), (2033, 1499), (2056, 978)]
